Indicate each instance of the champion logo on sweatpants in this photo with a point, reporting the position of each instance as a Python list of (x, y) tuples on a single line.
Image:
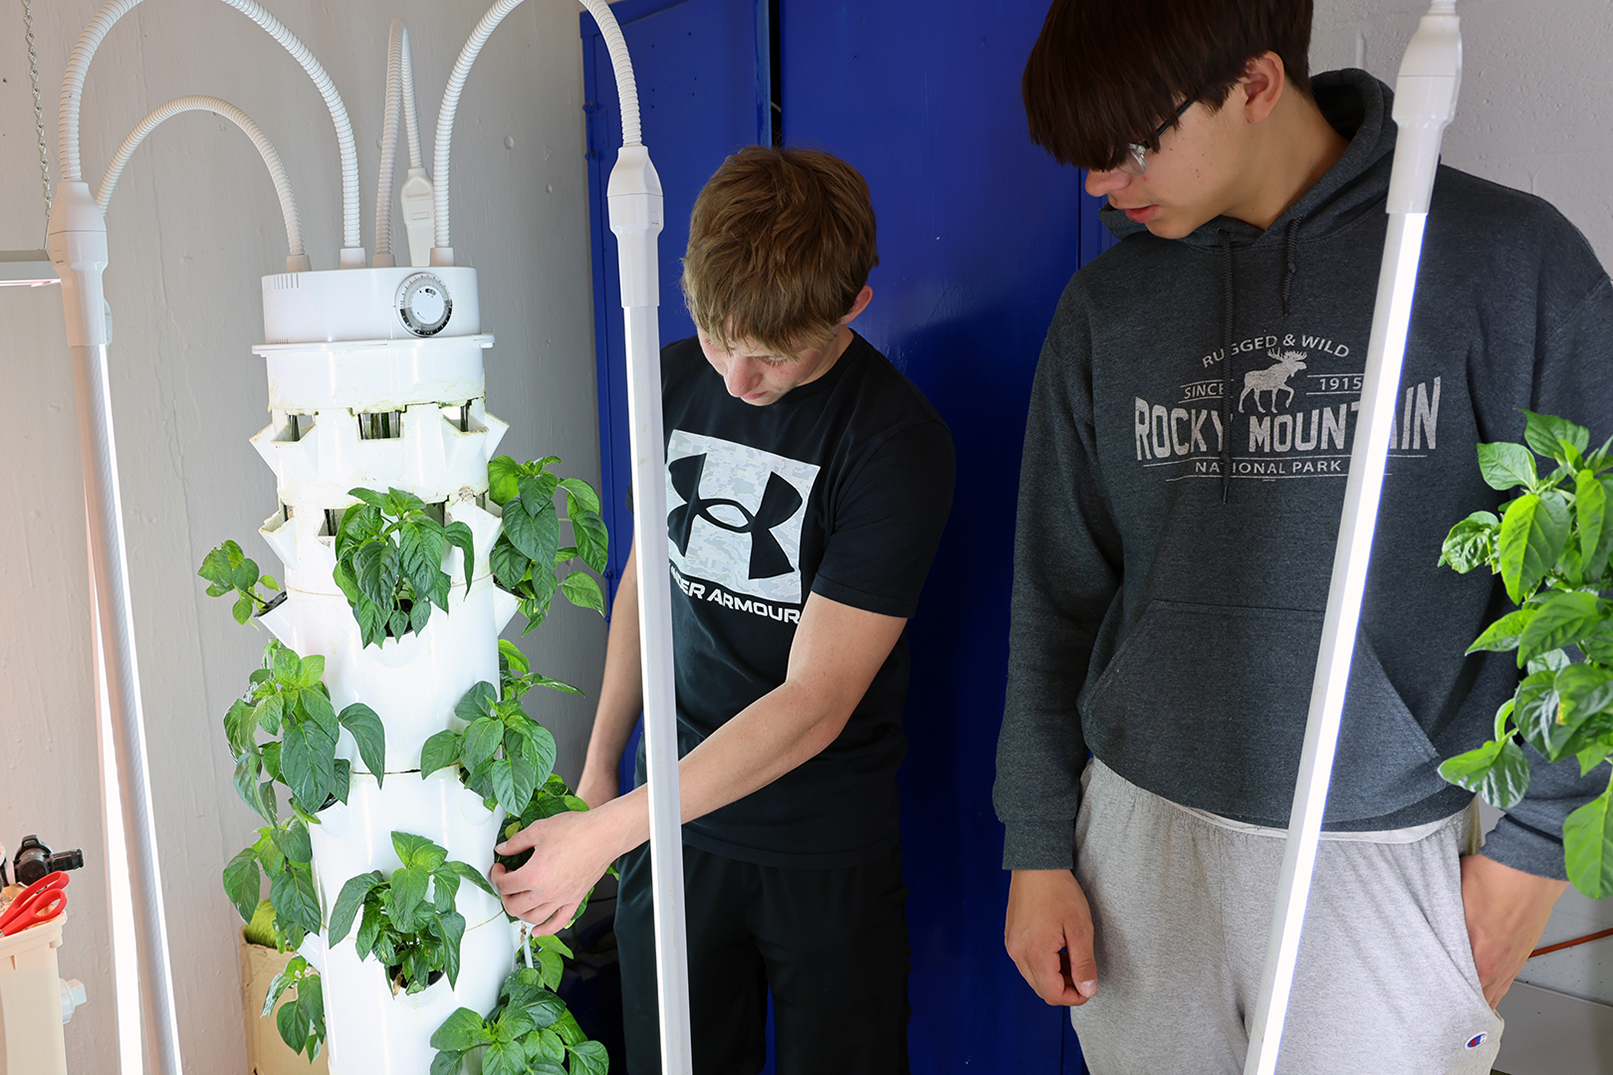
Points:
[(1477, 1040)]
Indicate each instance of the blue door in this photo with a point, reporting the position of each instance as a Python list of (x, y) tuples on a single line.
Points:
[(978, 233)]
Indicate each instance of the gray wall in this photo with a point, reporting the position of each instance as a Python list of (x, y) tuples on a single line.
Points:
[(1533, 114), (192, 227)]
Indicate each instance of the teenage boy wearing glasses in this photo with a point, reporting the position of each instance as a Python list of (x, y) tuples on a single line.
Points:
[(1184, 469)]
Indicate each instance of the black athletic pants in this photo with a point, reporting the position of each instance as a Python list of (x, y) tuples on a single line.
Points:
[(830, 944)]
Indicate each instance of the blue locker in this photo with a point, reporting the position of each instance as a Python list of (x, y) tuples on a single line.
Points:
[(979, 232)]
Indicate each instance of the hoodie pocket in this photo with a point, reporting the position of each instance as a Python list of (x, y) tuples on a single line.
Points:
[(1206, 705)]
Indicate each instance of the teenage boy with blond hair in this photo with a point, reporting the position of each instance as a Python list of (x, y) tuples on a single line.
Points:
[(808, 482), (1184, 467)]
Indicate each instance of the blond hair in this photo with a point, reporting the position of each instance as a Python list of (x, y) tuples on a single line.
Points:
[(781, 242)]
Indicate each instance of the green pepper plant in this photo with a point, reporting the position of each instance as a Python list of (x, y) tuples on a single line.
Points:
[(301, 1022), (228, 570), (527, 556), (409, 920), (529, 1032), (288, 699), (284, 854), (389, 555), (504, 754), (1551, 546)]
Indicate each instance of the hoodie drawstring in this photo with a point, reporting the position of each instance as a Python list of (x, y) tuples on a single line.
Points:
[(1226, 363), (1290, 266)]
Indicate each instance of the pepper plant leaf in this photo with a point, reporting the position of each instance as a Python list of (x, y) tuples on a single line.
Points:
[(582, 591), (308, 760), (1550, 435), (293, 842), (1505, 466), (503, 479), (440, 751), (589, 1058), (580, 497), (1498, 772), (292, 1023), (418, 851), (1533, 533), (316, 703), (589, 532), (1560, 620), (476, 702), (243, 881), (406, 897), (248, 767), (469, 873), (348, 902), (1535, 710), (292, 894), (1599, 647), (240, 725), (508, 564), (453, 930), (369, 734), (1588, 847), (460, 537), (521, 531), (461, 1031), (1502, 635), (310, 670), (537, 493), (482, 739), (282, 982)]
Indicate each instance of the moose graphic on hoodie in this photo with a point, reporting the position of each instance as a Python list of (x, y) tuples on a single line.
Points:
[(1294, 418)]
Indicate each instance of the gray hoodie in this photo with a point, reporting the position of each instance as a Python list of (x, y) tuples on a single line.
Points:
[(1185, 461)]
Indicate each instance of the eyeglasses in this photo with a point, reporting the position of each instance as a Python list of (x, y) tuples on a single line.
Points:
[(1135, 162)]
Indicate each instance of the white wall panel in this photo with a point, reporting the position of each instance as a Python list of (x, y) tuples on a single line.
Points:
[(192, 227)]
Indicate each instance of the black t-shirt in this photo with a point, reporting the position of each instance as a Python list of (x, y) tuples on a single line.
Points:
[(841, 488)]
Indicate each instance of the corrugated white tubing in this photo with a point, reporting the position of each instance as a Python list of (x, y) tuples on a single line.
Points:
[(389, 141), (277, 170), (621, 65), (78, 66)]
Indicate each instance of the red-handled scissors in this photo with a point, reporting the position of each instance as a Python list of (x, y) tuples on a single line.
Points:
[(39, 902)]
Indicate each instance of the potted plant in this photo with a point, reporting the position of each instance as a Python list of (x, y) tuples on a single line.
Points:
[(1551, 546), (487, 762)]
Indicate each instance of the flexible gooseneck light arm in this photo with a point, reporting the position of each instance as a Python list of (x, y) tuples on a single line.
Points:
[(78, 67), (296, 258), (1425, 103), (636, 217)]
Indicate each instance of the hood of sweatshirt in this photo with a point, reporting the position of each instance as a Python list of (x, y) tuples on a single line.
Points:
[(1361, 109)]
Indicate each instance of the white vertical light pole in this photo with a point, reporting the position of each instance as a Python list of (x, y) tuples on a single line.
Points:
[(636, 216), (77, 244), (1425, 102)]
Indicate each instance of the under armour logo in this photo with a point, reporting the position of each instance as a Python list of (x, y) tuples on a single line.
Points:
[(780, 501)]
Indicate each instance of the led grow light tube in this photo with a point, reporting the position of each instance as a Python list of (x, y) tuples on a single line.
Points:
[(27, 268), (1425, 102)]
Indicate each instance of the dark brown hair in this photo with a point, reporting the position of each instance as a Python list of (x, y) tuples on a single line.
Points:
[(781, 242), (1105, 73)]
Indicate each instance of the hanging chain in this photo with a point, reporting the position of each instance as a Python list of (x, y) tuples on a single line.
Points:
[(39, 112)]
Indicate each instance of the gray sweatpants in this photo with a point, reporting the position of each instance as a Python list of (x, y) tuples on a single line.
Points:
[(1182, 903)]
